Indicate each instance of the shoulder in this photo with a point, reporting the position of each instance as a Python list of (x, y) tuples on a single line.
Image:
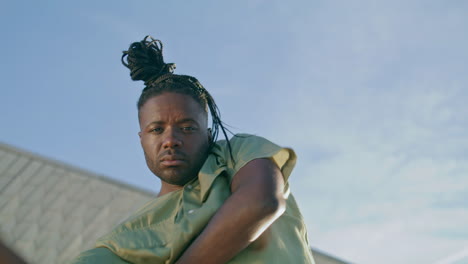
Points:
[(247, 147), (243, 141)]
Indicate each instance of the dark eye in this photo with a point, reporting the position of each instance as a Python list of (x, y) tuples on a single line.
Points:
[(188, 129), (157, 130)]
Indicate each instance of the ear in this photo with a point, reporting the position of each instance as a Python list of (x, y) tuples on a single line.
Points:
[(209, 135)]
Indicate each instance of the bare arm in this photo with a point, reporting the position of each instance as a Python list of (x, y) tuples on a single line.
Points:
[(8, 256), (256, 202)]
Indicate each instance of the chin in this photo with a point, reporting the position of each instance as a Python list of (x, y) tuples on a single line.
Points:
[(175, 178)]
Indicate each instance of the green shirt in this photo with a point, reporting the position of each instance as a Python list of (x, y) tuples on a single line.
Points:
[(162, 229)]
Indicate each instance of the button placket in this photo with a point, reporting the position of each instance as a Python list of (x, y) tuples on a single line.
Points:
[(189, 193)]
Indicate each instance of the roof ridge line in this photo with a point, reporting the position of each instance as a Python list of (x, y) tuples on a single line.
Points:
[(69, 167)]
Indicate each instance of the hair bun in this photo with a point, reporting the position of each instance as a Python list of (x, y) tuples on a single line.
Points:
[(145, 60)]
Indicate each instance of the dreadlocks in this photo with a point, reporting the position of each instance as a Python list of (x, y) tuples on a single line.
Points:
[(145, 61)]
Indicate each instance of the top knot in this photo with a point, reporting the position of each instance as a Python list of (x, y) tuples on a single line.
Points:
[(145, 60)]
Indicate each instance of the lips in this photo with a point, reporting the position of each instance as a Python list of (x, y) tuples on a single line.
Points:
[(172, 163), (172, 160)]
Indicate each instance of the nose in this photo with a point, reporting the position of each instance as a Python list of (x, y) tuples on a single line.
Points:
[(171, 139)]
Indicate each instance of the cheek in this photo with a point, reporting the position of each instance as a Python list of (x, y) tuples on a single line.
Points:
[(202, 145), (148, 144)]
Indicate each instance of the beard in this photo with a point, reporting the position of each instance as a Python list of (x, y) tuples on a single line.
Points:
[(180, 174)]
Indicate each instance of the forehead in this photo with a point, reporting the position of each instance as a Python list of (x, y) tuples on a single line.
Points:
[(171, 107)]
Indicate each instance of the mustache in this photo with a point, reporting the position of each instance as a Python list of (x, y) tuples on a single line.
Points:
[(173, 153)]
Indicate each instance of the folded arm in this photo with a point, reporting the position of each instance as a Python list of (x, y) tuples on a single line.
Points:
[(257, 200)]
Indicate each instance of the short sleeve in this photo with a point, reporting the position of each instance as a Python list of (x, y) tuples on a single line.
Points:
[(246, 148), (98, 256)]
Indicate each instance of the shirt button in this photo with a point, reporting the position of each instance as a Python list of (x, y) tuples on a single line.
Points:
[(191, 211), (190, 187)]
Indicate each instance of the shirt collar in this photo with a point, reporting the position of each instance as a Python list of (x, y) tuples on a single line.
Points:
[(214, 166)]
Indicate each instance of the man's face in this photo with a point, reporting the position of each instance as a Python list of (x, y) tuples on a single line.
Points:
[(174, 137)]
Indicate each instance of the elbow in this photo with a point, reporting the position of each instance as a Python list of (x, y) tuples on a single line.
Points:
[(266, 213), (273, 207)]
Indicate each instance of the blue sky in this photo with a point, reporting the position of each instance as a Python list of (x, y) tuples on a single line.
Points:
[(371, 95)]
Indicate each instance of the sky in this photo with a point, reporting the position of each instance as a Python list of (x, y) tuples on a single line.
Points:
[(370, 94)]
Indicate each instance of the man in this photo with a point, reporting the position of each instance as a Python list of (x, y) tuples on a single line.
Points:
[(220, 201)]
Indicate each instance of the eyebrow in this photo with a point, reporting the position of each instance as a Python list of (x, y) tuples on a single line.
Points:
[(184, 120)]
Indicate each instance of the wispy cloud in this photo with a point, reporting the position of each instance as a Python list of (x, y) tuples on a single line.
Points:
[(455, 258), (379, 127)]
